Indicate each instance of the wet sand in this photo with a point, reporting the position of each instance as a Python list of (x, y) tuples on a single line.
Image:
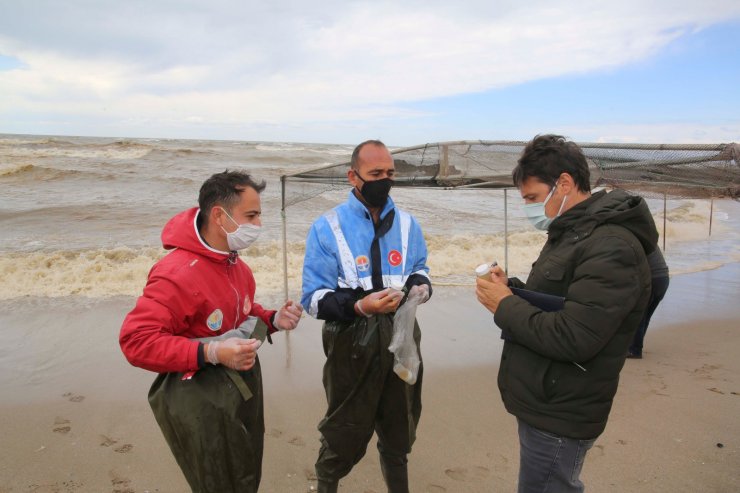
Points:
[(74, 415)]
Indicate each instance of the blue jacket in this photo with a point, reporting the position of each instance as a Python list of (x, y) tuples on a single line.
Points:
[(348, 256)]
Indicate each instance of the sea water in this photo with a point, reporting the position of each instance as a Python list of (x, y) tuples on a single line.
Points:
[(83, 216)]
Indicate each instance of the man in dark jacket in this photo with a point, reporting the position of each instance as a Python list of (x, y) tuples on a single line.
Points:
[(559, 369)]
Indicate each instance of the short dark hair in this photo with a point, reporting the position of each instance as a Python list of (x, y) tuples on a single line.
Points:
[(354, 162), (547, 156), (223, 189)]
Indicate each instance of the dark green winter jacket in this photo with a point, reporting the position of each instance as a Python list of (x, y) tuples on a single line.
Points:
[(595, 257)]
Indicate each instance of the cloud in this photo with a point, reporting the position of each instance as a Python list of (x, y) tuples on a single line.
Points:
[(291, 62), (657, 133)]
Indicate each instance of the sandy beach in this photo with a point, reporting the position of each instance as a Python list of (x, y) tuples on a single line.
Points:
[(75, 417)]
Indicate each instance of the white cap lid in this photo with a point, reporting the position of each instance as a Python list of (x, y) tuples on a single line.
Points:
[(482, 269)]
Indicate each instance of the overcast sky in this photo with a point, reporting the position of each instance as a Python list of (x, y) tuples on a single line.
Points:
[(342, 71)]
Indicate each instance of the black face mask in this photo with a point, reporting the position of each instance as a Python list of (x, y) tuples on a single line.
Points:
[(375, 192)]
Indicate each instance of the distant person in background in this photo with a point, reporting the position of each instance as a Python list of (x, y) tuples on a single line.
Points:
[(354, 253), (560, 369), (198, 325), (660, 279)]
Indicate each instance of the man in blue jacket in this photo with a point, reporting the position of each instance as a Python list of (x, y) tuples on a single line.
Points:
[(361, 257)]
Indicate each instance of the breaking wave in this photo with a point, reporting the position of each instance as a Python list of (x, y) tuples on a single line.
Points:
[(120, 149), (101, 273)]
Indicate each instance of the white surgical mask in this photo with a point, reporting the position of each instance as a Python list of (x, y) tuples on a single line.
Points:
[(536, 212), (243, 236)]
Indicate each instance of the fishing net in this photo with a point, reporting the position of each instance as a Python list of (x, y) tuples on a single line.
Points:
[(672, 170)]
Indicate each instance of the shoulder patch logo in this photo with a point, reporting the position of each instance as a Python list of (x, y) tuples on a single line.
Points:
[(215, 320), (394, 258), (247, 305), (363, 263)]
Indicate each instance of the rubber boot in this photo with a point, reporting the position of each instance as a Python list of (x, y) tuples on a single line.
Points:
[(327, 486), (395, 473)]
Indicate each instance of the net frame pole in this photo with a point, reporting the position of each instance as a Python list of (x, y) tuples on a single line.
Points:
[(711, 214), (444, 162), (506, 232), (284, 220), (283, 217)]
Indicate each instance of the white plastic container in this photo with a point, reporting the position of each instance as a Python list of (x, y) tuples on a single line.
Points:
[(484, 271)]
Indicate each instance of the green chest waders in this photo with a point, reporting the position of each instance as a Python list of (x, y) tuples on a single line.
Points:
[(214, 424), (364, 395)]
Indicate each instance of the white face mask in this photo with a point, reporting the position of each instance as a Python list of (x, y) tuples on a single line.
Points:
[(243, 236), (536, 212)]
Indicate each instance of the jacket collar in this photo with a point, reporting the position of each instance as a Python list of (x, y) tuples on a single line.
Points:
[(616, 207), (360, 209), (182, 232), (573, 219)]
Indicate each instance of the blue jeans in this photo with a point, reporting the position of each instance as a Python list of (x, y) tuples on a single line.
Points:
[(549, 463)]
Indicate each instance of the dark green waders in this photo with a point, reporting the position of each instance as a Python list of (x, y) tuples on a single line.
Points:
[(214, 425), (364, 395)]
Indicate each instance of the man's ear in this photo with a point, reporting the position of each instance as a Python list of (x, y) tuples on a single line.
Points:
[(216, 215), (566, 183), (352, 177)]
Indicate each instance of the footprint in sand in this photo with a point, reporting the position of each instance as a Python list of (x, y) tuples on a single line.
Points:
[(657, 383), (465, 474), (123, 449), (435, 488), (706, 371), (107, 441), (310, 474), (61, 426), (297, 441), (121, 485), (275, 433), (500, 463), (73, 397)]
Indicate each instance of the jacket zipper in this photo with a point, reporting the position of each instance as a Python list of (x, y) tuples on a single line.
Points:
[(236, 293)]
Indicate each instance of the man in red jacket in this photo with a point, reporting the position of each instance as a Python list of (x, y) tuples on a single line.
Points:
[(198, 326)]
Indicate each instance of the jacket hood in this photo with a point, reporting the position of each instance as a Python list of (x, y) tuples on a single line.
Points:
[(616, 207), (182, 232)]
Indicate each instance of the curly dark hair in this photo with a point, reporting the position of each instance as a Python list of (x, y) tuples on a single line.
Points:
[(547, 156)]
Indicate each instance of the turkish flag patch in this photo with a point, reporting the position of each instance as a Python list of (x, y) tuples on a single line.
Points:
[(394, 258)]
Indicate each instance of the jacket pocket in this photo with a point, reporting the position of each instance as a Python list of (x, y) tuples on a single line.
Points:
[(526, 373), (553, 270), (550, 276), (542, 381), (550, 381)]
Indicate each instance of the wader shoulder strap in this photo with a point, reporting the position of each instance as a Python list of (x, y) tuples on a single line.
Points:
[(240, 384)]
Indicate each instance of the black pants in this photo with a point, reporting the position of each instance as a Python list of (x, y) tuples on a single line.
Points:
[(364, 395), (214, 425)]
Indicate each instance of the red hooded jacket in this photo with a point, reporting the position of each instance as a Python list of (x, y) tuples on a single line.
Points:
[(194, 291)]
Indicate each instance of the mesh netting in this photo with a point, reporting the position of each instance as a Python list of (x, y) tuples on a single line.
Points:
[(672, 170)]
